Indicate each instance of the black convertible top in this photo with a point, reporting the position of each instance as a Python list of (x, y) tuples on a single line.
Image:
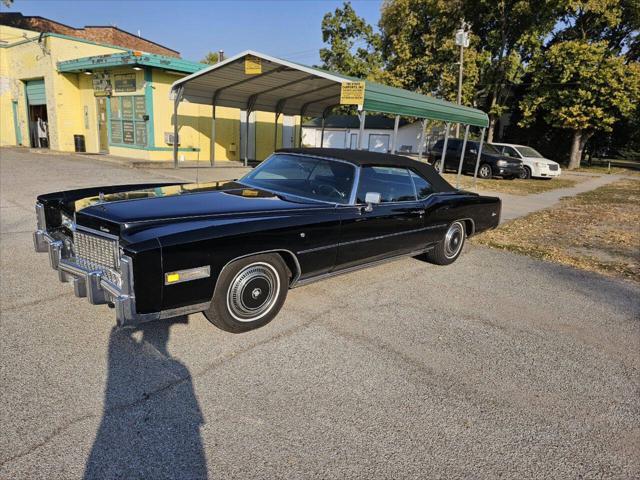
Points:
[(364, 158)]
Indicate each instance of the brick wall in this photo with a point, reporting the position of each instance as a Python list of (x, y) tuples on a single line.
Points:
[(100, 34)]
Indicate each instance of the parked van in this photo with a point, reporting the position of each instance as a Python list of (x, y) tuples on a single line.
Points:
[(535, 165)]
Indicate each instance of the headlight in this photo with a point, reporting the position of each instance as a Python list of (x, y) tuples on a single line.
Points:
[(502, 163), (67, 222), (540, 164)]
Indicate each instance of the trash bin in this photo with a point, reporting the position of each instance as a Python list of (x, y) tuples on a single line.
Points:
[(78, 140)]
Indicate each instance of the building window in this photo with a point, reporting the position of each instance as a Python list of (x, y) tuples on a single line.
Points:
[(128, 124)]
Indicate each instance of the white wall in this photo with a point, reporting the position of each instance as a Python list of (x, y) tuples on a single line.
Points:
[(339, 138)]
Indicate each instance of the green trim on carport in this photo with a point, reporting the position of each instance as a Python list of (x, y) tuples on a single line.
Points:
[(380, 98), (129, 59)]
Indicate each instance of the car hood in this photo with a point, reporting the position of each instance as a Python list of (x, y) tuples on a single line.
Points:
[(115, 212)]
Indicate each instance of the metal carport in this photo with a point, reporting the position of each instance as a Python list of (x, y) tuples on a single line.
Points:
[(253, 81)]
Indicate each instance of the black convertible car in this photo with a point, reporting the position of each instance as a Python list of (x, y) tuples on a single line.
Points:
[(233, 249)]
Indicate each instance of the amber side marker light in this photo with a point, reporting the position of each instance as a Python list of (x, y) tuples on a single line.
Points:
[(180, 276)]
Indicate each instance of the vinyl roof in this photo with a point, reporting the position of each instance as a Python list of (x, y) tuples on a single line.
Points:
[(367, 158), (295, 89)]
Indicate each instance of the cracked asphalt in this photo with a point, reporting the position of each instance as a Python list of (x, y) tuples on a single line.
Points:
[(497, 366)]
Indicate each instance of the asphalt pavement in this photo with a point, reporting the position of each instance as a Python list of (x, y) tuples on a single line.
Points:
[(497, 366)]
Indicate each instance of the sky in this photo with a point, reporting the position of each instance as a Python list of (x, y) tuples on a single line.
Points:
[(284, 28)]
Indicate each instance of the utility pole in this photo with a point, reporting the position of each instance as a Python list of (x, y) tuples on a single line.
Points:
[(462, 40)]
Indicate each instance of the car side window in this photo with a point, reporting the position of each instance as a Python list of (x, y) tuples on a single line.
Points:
[(392, 183), (423, 188), (510, 152)]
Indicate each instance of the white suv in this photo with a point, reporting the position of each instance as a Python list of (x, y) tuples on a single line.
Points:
[(535, 165)]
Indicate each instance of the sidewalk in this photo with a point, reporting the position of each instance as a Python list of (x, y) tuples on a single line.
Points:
[(515, 206)]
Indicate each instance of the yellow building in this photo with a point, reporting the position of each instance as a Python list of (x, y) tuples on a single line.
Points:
[(67, 93)]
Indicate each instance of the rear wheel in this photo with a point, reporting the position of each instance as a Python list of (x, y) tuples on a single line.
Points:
[(449, 248), (485, 171), (249, 293)]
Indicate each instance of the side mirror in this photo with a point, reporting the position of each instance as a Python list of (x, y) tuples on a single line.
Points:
[(370, 199)]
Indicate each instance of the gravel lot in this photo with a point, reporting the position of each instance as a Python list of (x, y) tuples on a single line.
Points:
[(497, 366)]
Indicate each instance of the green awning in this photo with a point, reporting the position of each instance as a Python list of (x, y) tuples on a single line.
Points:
[(294, 89), (129, 59), (380, 98)]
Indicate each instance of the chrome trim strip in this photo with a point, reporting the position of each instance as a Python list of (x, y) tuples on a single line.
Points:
[(317, 249), (335, 273), (378, 237)]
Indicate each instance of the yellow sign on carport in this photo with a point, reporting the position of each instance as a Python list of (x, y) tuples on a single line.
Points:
[(352, 93), (252, 65)]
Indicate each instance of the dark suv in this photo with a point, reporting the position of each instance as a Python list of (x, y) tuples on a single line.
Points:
[(492, 162)]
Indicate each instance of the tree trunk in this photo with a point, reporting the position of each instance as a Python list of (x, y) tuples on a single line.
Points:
[(580, 139), (491, 128)]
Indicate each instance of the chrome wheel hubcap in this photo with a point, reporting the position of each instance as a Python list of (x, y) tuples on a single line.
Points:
[(453, 240), (484, 171), (253, 292)]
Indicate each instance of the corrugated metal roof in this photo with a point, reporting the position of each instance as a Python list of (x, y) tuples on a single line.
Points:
[(295, 89)]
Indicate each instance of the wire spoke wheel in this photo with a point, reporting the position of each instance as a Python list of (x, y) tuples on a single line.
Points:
[(253, 292)]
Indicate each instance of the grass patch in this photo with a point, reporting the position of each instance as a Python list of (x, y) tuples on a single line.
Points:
[(604, 169), (598, 231), (514, 187)]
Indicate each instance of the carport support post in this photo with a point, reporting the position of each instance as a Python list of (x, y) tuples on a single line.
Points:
[(363, 114), (396, 124), (176, 102), (213, 130), (444, 146), (275, 132), (464, 147), (475, 172), (422, 135), (322, 131)]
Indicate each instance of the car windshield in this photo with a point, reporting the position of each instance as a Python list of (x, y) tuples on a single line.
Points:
[(529, 152), (304, 176)]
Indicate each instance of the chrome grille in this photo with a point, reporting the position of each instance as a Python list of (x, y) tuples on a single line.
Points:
[(553, 167), (98, 253)]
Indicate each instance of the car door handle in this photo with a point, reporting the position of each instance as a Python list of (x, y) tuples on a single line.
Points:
[(419, 211)]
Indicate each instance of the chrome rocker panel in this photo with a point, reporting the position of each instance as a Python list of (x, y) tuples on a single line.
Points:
[(98, 290)]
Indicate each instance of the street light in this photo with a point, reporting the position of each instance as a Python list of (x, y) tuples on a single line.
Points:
[(462, 40)]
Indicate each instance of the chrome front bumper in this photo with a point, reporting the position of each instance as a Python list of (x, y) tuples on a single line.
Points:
[(93, 284)]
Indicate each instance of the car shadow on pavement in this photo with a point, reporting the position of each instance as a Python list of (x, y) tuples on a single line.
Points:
[(150, 426)]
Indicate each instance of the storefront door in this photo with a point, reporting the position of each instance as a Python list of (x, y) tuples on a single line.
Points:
[(103, 135)]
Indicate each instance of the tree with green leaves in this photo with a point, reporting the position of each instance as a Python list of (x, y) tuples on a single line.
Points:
[(354, 48), (419, 51), (581, 87), (510, 33), (210, 58)]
